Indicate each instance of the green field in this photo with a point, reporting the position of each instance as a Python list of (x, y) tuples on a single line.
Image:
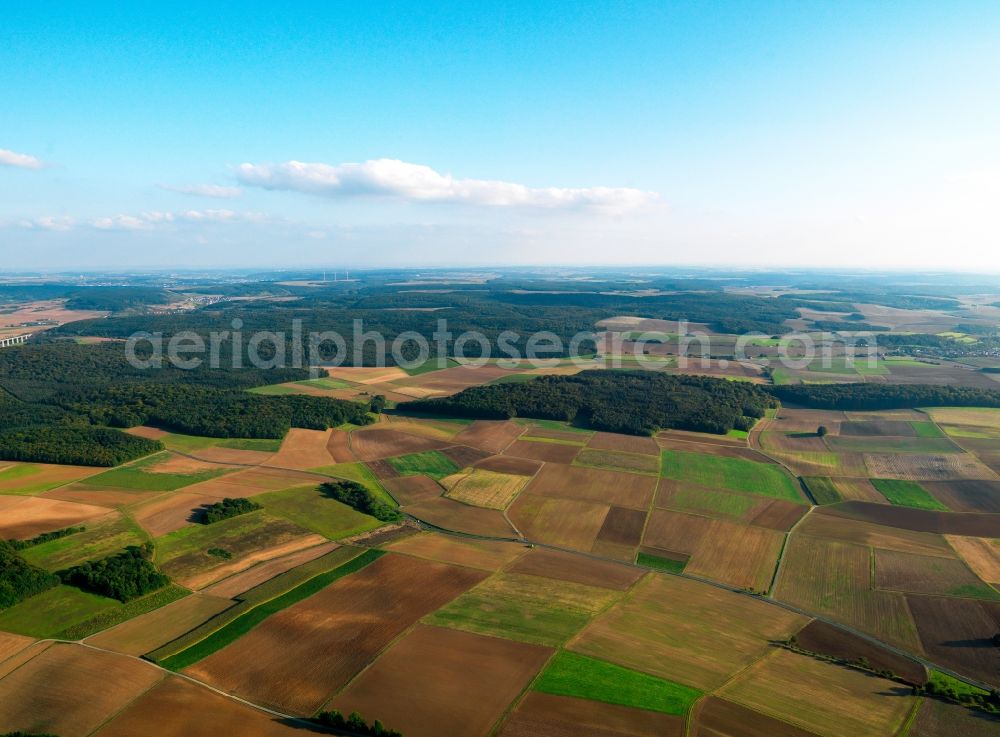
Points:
[(907, 494), (926, 430), (326, 383), (23, 473), (429, 463), (308, 507), (360, 473), (554, 425), (735, 474), (55, 610), (823, 489), (659, 563), (569, 674), (431, 364), (619, 461), (116, 615), (252, 617), (527, 608), (191, 443), (137, 476), (276, 390), (712, 502), (98, 540)]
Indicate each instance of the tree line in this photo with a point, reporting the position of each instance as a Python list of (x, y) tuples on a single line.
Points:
[(19, 580), (124, 576), (228, 507), (859, 396), (358, 497)]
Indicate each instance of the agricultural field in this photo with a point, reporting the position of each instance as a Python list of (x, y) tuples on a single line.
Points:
[(981, 554), (34, 478), (488, 489), (27, 516), (924, 574), (427, 463), (634, 491), (734, 474), (564, 716), (311, 509), (619, 461), (907, 494)]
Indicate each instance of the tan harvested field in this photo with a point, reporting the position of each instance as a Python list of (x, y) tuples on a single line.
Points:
[(170, 512), (53, 310), (475, 676), (575, 568), (510, 464), (487, 489), (69, 690), (412, 489), (619, 461), (174, 463), (819, 524), (149, 631), (538, 450), (917, 467), (363, 375), (44, 476), (835, 579), (487, 555), (283, 547), (594, 485), (432, 428), (541, 714), (452, 515), (144, 431), (715, 717), (922, 574), (686, 631), (489, 435), (627, 443), (234, 456), (781, 443), (726, 450), (823, 698), (260, 572), (254, 481), (566, 436), (18, 659), (111, 498), (690, 436), (27, 516), (568, 523), (304, 449), (956, 633), (858, 490), (941, 719), (982, 554), (378, 443), (339, 447), (176, 707), (974, 416), (450, 380), (11, 645), (735, 554), (296, 659)]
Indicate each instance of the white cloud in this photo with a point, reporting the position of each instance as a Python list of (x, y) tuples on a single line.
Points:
[(20, 161), (205, 190), (53, 222), (418, 183), (143, 221)]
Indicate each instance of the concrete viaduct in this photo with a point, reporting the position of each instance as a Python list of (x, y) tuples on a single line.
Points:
[(14, 340)]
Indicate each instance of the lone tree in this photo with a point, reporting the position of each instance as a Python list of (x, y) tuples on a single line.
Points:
[(377, 405), (822, 431)]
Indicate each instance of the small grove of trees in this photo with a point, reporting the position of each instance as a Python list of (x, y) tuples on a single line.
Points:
[(44, 538), (124, 576), (228, 507), (19, 579), (377, 404), (821, 431), (354, 723), (358, 497), (988, 702), (78, 446)]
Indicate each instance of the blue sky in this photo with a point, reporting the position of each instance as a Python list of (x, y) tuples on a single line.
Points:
[(522, 132)]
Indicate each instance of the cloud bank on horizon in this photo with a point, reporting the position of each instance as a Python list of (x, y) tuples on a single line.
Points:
[(393, 178), (19, 161)]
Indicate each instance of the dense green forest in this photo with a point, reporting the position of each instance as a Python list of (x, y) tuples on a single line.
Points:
[(117, 299), (75, 446), (358, 497), (19, 579), (633, 402), (228, 507), (884, 396), (124, 576)]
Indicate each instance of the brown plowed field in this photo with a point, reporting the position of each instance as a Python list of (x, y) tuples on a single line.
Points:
[(627, 443), (412, 489), (367, 375), (487, 555), (547, 715), (778, 514), (568, 523), (383, 469), (739, 555), (510, 464), (575, 568), (452, 515), (878, 428), (69, 690), (27, 516), (595, 485), (254, 481), (176, 707), (235, 456), (245, 580), (339, 447), (149, 631), (297, 658), (623, 526), (489, 435), (967, 496), (11, 644), (981, 553), (957, 634), (715, 717), (918, 520), (452, 380), (110, 498), (439, 681), (169, 512), (377, 443), (541, 451), (726, 451), (833, 527), (823, 638), (568, 436), (940, 719), (463, 456), (304, 449), (922, 574)]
